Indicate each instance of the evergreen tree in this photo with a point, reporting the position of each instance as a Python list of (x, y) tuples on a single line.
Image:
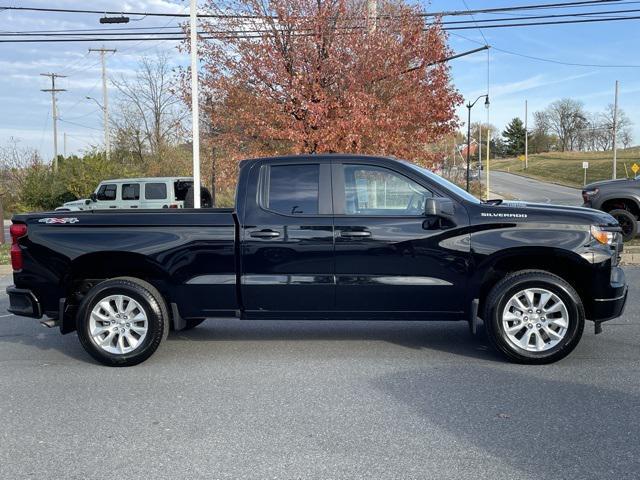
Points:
[(514, 136)]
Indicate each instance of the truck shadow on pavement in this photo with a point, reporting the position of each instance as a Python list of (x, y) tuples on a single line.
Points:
[(448, 337), (525, 422)]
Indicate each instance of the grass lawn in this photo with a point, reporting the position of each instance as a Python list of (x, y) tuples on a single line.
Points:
[(565, 168), (4, 254)]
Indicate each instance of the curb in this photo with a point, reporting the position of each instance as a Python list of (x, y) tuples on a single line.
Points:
[(630, 259)]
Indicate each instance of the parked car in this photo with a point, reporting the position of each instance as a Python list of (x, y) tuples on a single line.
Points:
[(143, 193), (619, 198), (323, 237)]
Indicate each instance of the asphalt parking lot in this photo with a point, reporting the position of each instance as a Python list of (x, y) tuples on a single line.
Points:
[(320, 400)]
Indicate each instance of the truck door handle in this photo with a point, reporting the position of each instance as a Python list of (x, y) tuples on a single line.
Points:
[(264, 234), (355, 233)]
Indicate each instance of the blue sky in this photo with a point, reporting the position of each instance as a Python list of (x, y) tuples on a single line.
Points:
[(25, 111)]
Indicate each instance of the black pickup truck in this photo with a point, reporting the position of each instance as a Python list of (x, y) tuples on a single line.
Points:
[(323, 237)]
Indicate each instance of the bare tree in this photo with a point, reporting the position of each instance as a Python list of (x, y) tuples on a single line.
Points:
[(15, 161), (626, 137), (565, 118), (151, 115)]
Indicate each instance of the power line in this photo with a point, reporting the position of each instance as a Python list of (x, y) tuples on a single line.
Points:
[(248, 16), (535, 17), (79, 125), (130, 30), (539, 6), (561, 22), (241, 33), (572, 64), (473, 19), (549, 60)]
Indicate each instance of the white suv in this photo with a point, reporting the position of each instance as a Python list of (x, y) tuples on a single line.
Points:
[(143, 193)]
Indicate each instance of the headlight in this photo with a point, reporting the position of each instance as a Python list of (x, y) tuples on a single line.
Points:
[(587, 194), (602, 236)]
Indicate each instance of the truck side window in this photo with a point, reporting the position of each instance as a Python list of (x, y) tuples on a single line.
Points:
[(131, 191), (372, 190), (293, 189), (155, 191), (107, 192)]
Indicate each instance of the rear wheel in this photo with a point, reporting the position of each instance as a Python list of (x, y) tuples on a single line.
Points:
[(534, 317), (122, 321), (628, 222)]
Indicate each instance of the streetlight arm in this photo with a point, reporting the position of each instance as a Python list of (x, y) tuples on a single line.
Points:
[(470, 105), (97, 102)]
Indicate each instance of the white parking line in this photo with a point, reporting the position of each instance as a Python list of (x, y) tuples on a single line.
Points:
[(8, 315)]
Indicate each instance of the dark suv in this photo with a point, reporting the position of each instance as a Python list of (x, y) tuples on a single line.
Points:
[(619, 198)]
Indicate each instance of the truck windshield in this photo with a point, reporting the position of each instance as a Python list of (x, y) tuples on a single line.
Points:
[(446, 184)]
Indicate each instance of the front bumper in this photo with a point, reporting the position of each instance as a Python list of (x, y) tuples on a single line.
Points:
[(23, 302), (604, 309), (612, 304)]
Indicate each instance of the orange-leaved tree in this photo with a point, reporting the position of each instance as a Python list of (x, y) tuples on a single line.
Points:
[(312, 76)]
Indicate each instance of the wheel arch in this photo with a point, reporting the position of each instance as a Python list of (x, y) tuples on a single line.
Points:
[(568, 265), (92, 268), (621, 202)]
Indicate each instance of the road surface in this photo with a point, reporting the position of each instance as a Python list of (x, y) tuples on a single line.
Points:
[(529, 190), (320, 400)]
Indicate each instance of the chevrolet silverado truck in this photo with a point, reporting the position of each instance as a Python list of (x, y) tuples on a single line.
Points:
[(343, 237), (620, 199)]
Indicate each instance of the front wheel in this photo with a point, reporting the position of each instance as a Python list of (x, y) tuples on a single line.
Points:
[(534, 317), (628, 223), (122, 321)]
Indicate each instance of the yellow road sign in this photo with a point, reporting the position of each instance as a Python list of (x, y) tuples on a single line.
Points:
[(521, 158), (635, 168)]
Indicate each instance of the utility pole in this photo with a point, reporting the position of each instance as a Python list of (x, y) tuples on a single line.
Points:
[(372, 15), (526, 136), (105, 100), (195, 108), (64, 148), (488, 148), (479, 144), (615, 133), (54, 112)]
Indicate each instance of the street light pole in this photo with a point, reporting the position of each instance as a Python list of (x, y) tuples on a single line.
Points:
[(469, 107), (195, 119), (468, 142)]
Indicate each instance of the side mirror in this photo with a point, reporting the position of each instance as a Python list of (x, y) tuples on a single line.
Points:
[(93, 197), (439, 207)]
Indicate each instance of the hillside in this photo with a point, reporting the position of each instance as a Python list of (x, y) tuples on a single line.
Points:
[(566, 167)]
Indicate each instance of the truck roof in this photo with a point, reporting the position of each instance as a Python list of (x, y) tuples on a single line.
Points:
[(318, 156)]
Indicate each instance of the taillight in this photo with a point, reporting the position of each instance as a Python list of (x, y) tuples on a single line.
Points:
[(17, 230)]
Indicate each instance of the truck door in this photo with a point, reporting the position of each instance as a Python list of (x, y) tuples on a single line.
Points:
[(390, 258), (287, 240)]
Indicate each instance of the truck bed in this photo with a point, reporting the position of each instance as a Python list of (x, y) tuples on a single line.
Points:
[(192, 253)]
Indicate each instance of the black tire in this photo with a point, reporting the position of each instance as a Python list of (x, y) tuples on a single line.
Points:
[(193, 323), (628, 222), (509, 286), (155, 308)]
